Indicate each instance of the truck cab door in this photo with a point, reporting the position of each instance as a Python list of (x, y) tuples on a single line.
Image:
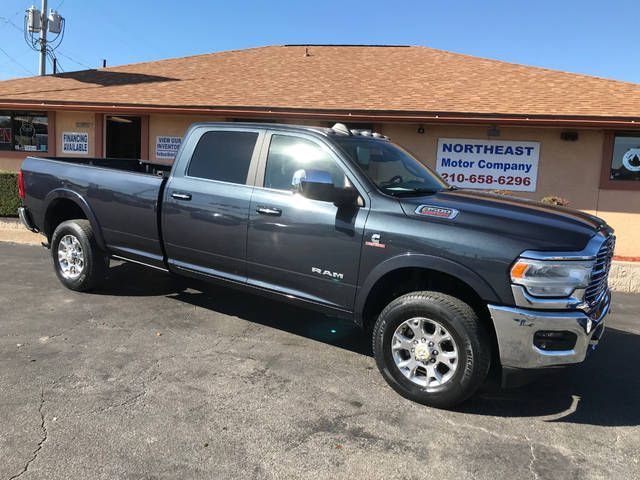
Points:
[(205, 211), (297, 246)]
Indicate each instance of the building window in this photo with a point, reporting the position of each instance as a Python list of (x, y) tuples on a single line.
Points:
[(625, 159), (620, 161), (24, 131)]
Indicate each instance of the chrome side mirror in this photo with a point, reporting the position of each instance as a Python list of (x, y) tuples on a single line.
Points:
[(318, 185)]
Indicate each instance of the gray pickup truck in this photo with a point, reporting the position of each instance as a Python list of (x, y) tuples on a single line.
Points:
[(446, 281)]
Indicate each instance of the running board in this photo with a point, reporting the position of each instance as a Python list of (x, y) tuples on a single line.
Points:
[(139, 263)]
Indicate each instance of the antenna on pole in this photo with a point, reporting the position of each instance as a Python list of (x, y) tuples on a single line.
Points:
[(37, 21)]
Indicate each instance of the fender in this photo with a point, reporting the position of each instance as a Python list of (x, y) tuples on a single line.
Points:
[(84, 206), (410, 260)]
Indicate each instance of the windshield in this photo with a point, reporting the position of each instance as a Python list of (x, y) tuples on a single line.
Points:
[(394, 170)]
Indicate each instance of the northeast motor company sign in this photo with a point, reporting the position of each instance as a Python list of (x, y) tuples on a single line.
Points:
[(489, 164)]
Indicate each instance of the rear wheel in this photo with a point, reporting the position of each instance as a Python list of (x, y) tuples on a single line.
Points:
[(431, 348), (79, 264)]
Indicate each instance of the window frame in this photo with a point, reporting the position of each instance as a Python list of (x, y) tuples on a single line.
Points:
[(12, 152), (197, 135), (262, 165), (606, 183)]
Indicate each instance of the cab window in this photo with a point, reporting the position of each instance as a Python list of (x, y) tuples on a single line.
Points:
[(288, 154), (223, 156)]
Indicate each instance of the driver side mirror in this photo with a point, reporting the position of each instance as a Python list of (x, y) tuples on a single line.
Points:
[(318, 185)]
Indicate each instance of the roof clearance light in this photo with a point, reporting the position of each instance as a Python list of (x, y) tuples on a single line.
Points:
[(341, 128)]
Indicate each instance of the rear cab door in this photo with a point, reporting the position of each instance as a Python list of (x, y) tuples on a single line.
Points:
[(205, 210)]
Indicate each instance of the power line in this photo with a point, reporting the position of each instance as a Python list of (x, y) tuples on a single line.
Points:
[(16, 62), (10, 22), (73, 60)]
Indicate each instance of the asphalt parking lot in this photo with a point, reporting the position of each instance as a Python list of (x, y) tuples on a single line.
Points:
[(147, 379)]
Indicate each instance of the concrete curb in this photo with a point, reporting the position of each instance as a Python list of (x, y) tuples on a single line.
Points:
[(625, 276), (10, 223)]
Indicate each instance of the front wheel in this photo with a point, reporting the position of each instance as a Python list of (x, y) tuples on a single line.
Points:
[(78, 262), (431, 348)]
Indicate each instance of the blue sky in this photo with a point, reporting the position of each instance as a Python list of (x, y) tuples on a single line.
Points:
[(588, 36)]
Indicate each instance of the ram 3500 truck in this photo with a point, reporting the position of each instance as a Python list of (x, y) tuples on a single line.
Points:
[(445, 280)]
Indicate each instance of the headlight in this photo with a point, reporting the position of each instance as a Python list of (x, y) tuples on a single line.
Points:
[(551, 278)]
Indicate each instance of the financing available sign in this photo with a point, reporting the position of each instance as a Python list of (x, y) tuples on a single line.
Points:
[(75, 142), (167, 147), (489, 164)]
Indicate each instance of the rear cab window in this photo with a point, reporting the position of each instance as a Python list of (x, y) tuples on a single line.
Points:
[(223, 155)]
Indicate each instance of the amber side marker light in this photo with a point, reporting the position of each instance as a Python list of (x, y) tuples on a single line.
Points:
[(518, 270)]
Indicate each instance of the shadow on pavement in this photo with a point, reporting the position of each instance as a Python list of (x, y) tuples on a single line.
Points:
[(128, 279), (604, 391)]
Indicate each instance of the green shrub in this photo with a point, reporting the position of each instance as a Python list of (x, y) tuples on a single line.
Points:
[(9, 194)]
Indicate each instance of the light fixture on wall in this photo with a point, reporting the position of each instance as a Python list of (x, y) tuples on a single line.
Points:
[(493, 132), (569, 136), (420, 129), (119, 119)]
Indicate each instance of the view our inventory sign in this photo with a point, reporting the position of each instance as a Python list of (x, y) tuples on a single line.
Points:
[(489, 164), (75, 142), (167, 147)]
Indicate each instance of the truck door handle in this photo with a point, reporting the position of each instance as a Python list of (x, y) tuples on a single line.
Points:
[(274, 212), (181, 196)]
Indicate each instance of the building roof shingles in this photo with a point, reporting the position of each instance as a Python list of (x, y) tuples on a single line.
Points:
[(339, 78)]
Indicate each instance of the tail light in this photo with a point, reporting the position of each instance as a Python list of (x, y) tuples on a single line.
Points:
[(20, 184)]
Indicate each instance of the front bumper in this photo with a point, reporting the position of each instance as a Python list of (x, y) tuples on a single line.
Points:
[(516, 327)]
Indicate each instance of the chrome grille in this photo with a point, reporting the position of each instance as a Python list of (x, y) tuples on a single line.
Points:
[(600, 272)]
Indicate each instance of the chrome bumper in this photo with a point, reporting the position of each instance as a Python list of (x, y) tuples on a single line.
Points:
[(26, 219), (515, 329)]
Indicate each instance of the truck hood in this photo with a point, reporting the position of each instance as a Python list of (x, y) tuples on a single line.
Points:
[(541, 226)]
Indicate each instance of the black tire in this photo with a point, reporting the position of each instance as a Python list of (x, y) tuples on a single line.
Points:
[(96, 263), (462, 323)]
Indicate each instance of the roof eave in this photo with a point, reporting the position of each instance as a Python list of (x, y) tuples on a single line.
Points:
[(344, 115)]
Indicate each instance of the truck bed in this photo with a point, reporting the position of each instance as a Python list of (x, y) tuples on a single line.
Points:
[(126, 164), (123, 194)]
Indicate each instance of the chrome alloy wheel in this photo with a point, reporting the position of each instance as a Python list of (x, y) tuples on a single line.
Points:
[(425, 352), (70, 257)]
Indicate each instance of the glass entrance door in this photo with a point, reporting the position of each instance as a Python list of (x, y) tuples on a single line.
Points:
[(123, 136)]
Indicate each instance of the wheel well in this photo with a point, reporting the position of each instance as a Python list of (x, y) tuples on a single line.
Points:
[(61, 210), (404, 280)]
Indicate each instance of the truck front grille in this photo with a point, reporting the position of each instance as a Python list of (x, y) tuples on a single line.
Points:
[(600, 272)]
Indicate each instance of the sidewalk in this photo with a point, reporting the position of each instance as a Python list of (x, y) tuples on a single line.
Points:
[(624, 276), (12, 230)]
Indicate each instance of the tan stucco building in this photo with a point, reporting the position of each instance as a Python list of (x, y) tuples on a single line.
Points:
[(585, 131)]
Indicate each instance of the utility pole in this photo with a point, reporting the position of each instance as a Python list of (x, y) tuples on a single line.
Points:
[(43, 39), (39, 21)]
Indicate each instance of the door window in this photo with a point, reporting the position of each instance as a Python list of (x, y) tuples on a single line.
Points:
[(288, 154), (223, 156)]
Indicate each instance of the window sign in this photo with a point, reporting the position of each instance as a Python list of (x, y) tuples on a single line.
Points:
[(167, 147), (24, 131), (488, 164), (30, 131), (625, 163), (6, 137), (75, 142)]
